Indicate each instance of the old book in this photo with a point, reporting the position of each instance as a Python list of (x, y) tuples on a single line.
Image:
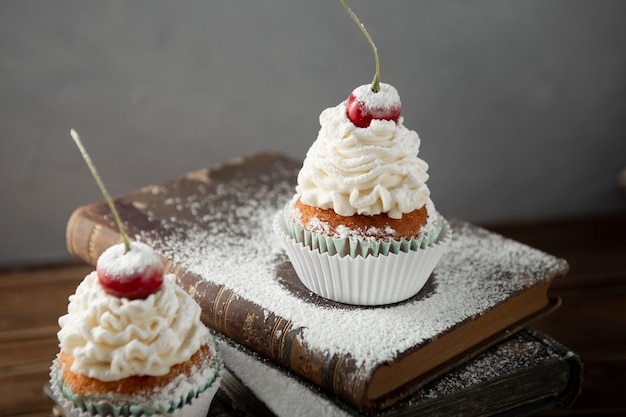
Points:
[(212, 228), (527, 373)]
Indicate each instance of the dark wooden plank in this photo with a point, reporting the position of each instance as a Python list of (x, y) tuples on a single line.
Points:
[(592, 318), (24, 395), (593, 246), (31, 300)]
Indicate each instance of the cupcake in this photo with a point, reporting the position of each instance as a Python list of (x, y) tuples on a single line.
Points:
[(132, 343), (361, 227)]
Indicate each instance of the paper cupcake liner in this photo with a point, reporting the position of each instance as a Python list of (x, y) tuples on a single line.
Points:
[(195, 404), (371, 280), (353, 247)]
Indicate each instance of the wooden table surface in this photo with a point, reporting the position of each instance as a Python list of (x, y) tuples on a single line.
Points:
[(591, 320)]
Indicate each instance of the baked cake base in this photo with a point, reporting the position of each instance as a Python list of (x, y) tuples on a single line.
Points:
[(188, 387), (378, 226)]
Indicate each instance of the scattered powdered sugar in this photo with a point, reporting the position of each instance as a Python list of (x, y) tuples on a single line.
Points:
[(370, 232), (224, 233), (318, 226)]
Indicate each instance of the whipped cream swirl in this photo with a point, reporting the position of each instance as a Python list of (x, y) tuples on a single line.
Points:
[(112, 338), (364, 171)]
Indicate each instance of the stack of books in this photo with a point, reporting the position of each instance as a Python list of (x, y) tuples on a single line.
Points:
[(461, 343)]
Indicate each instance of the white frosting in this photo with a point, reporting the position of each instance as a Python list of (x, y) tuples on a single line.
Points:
[(112, 338), (365, 171)]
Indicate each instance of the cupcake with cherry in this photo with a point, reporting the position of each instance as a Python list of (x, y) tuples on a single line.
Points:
[(361, 227), (132, 342)]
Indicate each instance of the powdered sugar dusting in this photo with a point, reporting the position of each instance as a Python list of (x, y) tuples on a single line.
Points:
[(386, 98), (224, 234), (139, 258)]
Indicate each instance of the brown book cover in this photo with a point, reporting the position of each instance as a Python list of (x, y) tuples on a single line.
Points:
[(213, 229)]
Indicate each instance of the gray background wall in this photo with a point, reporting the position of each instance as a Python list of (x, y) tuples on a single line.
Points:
[(520, 104)]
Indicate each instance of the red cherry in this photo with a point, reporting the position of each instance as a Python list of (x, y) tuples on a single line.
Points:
[(134, 274), (364, 105)]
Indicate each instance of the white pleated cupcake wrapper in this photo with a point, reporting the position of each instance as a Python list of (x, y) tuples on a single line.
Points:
[(371, 280), (353, 247), (198, 406)]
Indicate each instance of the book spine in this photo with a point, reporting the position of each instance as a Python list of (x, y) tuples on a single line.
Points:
[(89, 233)]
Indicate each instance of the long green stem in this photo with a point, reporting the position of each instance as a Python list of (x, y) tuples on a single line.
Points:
[(376, 80), (107, 198)]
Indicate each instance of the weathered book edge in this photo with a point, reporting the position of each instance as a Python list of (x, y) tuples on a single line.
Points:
[(412, 386), (573, 388)]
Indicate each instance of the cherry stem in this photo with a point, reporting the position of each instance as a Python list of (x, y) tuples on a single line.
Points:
[(376, 81), (107, 198)]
